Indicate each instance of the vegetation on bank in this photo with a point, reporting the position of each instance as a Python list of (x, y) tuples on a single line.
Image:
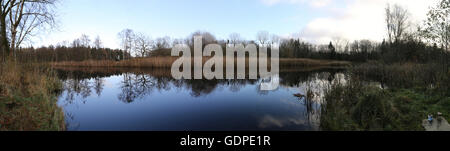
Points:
[(28, 98), (406, 95)]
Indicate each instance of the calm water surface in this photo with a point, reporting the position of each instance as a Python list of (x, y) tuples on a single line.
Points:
[(96, 99)]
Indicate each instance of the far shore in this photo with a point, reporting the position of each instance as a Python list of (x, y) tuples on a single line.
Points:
[(166, 62)]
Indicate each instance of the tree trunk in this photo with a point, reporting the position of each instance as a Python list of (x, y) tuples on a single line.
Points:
[(13, 40), (4, 44)]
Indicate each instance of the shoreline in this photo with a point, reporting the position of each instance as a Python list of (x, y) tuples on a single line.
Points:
[(166, 62)]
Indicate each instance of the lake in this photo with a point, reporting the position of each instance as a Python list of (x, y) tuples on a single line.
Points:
[(151, 100)]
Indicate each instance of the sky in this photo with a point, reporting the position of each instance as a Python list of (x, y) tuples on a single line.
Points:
[(316, 21)]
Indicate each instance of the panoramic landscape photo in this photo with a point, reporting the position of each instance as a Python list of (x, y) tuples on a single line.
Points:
[(224, 65)]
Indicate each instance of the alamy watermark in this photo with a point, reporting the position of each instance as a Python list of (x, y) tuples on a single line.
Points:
[(270, 79)]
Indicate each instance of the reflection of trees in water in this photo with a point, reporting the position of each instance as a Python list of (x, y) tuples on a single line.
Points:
[(136, 85), (98, 85), (235, 85), (293, 79), (313, 91), (312, 87), (312, 84), (127, 95), (77, 87), (163, 83), (311, 113), (69, 120), (80, 74), (80, 84), (201, 87)]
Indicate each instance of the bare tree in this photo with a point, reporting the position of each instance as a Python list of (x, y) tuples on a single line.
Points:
[(262, 37), (19, 19), (162, 43), (64, 43), (397, 22), (98, 42), (235, 38), (207, 38), (85, 41), (275, 39), (126, 37), (76, 43), (339, 43), (143, 44), (177, 41)]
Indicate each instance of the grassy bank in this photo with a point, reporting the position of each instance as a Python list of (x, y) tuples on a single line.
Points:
[(28, 98), (406, 95), (166, 62)]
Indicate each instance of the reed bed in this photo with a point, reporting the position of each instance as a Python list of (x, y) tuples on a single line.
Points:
[(166, 62)]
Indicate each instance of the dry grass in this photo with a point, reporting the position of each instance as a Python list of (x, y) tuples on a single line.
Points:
[(160, 62), (28, 98), (302, 62), (166, 62)]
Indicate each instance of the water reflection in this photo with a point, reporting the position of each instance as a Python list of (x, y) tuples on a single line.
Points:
[(152, 100), (136, 86)]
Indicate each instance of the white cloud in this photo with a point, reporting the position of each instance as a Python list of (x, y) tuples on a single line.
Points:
[(319, 3), (314, 3), (360, 19)]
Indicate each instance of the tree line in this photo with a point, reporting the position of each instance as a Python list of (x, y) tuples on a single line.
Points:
[(403, 43), (62, 53)]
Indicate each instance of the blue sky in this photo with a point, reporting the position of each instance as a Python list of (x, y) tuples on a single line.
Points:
[(179, 18)]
